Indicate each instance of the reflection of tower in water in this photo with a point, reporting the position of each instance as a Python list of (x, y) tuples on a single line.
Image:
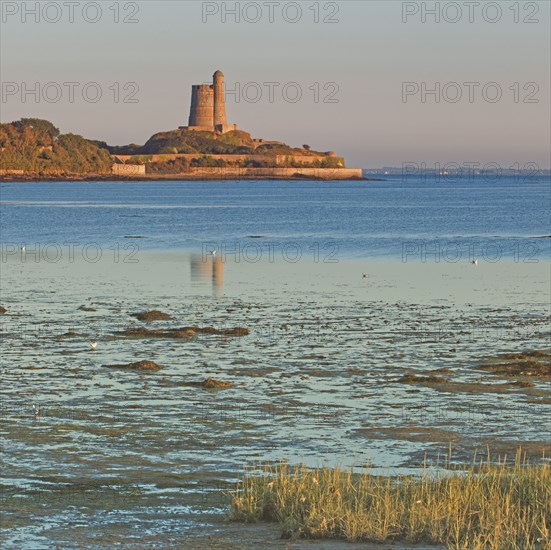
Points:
[(217, 273), (208, 269)]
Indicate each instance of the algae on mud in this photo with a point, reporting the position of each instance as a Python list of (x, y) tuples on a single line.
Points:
[(139, 365), (210, 383), (182, 332), (535, 363), (154, 315)]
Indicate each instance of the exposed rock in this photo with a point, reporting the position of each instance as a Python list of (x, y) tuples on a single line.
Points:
[(85, 308), (155, 315), (3, 310), (140, 365)]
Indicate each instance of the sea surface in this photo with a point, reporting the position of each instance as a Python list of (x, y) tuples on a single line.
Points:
[(391, 218), (347, 289)]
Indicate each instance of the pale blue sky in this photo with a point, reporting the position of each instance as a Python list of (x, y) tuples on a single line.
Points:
[(369, 53)]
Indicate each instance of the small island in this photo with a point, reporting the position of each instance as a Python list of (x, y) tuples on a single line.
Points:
[(208, 148)]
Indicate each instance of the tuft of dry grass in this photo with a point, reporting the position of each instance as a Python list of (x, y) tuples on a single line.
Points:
[(490, 506)]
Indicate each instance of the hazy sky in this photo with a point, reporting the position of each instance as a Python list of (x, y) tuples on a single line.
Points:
[(360, 62)]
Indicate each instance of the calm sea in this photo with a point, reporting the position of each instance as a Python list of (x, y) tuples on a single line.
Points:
[(464, 219)]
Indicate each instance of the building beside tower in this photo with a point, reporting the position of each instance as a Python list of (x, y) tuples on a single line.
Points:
[(208, 107)]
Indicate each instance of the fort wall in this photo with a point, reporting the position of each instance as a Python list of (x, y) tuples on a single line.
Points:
[(236, 173), (278, 159), (129, 169)]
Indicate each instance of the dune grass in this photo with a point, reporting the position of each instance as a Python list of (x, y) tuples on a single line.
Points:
[(501, 505)]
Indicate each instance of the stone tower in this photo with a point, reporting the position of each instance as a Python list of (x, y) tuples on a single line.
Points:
[(208, 107), (202, 107), (220, 122)]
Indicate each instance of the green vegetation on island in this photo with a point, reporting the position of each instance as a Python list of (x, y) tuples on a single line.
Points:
[(37, 146), (205, 146), (184, 141)]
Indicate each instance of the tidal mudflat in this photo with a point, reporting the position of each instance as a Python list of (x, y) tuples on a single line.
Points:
[(306, 362)]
